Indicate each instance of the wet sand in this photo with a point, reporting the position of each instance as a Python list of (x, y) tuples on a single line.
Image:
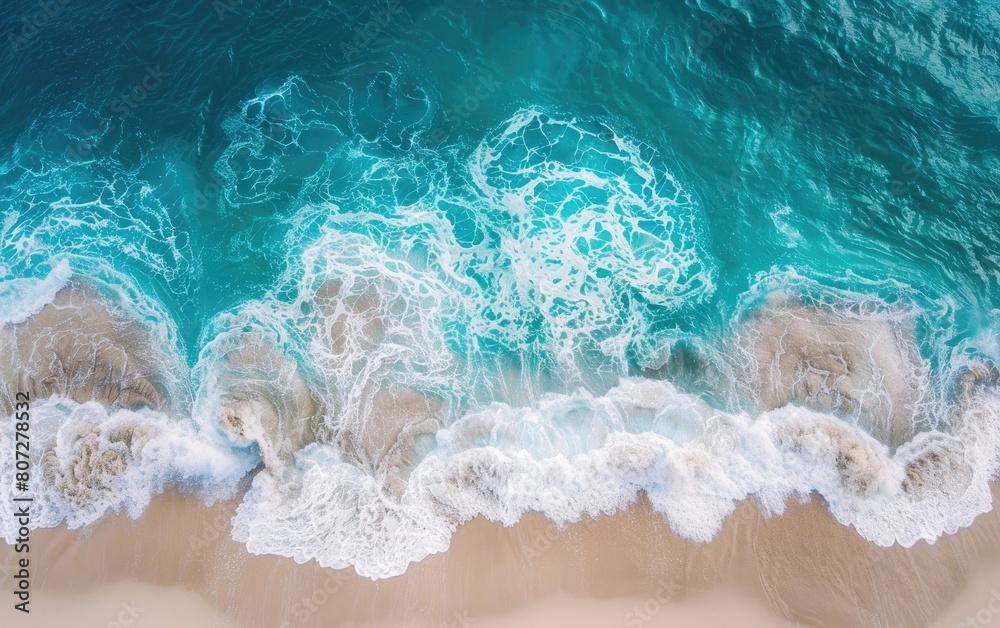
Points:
[(178, 565)]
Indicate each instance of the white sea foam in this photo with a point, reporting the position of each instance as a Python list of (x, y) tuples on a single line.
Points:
[(567, 235), (555, 241), (490, 463), (110, 422), (22, 298), (93, 210), (368, 380), (593, 231), (88, 461)]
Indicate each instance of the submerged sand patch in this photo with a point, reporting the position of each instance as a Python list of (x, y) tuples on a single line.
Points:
[(78, 347), (864, 367)]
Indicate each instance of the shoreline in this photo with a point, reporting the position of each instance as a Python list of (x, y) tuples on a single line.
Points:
[(802, 568)]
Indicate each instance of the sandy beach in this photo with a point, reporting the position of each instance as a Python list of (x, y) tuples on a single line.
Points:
[(178, 566)]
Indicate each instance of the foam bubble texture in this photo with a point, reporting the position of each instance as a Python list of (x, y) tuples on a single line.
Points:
[(560, 238), (487, 463), (89, 461)]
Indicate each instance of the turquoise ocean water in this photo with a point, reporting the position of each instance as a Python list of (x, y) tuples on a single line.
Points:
[(415, 262)]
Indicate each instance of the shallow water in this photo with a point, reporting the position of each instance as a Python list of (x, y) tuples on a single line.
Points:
[(427, 262)]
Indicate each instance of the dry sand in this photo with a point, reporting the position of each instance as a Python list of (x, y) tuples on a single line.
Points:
[(178, 565)]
